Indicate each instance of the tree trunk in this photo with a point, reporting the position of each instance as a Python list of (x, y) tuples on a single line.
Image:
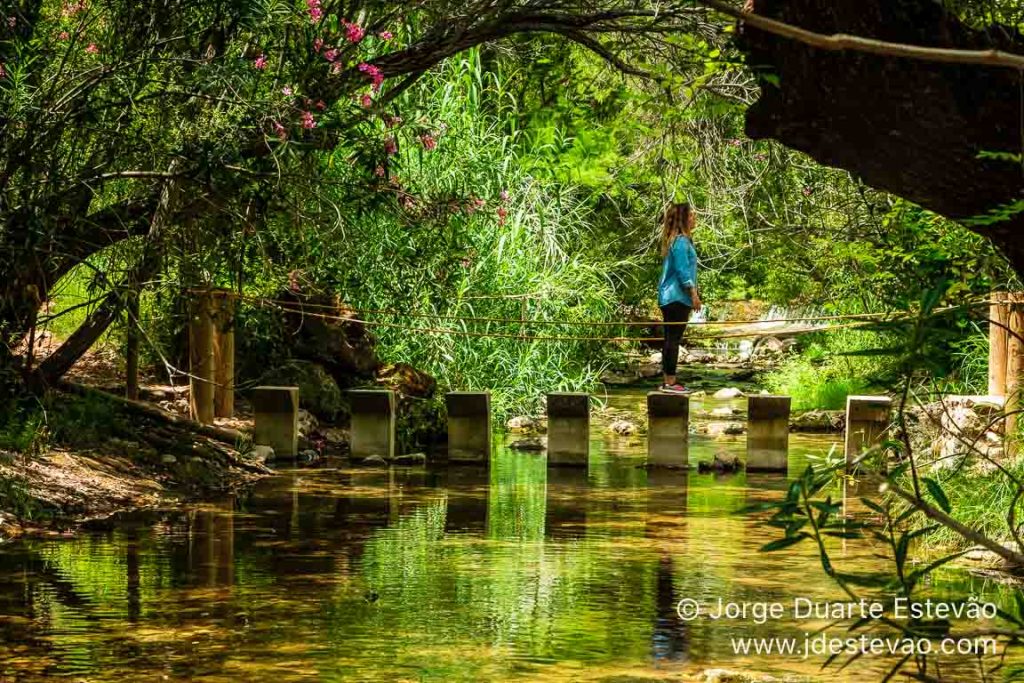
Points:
[(918, 129), (61, 360)]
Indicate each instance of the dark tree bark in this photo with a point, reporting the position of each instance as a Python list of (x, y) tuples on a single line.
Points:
[(910, 127)]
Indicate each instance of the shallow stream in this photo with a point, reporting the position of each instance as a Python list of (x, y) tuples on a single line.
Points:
[(435, 574)]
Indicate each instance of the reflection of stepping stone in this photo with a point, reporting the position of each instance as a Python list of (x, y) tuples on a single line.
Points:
[(720, 465), (532, 444)]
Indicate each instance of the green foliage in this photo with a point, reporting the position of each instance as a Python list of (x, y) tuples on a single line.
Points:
[(980, 499), (23, 429), (825, 372)]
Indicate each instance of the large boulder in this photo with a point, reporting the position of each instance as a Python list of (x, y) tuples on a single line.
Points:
[(818, 421), (323, 330), (407, 380), (957, 427), (319, 393)]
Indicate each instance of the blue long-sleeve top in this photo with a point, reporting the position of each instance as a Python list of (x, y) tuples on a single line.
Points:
[(679, 273)]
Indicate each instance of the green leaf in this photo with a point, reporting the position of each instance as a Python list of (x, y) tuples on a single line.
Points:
[(781, 543), (935, 489)]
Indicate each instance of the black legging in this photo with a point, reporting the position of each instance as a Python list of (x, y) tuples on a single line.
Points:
[(674, 312)]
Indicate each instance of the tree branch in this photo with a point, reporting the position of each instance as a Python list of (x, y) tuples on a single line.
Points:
[(842, 41)]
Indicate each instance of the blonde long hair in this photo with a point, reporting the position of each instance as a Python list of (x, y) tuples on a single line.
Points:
[(675, 223)]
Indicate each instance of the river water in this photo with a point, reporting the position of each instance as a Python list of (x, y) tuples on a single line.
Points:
[(436, 574)]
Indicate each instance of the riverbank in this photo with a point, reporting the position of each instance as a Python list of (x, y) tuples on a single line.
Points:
[(93, 457)]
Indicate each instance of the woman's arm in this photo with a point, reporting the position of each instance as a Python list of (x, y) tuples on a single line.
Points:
[(687, 270)]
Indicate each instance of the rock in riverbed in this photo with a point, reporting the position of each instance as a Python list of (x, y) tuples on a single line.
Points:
[(532, 444), (728, 392), (623, 428), (522, 423), (725, 428)]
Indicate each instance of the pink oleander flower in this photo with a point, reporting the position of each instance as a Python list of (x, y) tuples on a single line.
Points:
[(366, 100), (293, 281), (64, 35), (72, 8), (331, 55), (390, 147), (92, 48), (308, 122), (379, 172), (287, 91), (504, 195), (3, 71), (260, 63), (354, 33), (428, 141), (392, 121), (386, 35), (12, 21), (502, 215), (374, 73), (316, 12), (280, 131), (320, 105), (318, 45), (337, 68)]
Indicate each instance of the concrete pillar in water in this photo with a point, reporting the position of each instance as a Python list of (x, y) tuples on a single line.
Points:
[(767, 433), (224, 354), (668, 435), (867, 420), (568, 429), (469, 426), (201, 358), (373, 423), (276, 411)]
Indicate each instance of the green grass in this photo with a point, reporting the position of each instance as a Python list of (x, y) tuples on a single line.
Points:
[(981, 501), (829, 369)]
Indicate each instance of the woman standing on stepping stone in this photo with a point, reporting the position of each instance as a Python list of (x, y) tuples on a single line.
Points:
[(677, 290)]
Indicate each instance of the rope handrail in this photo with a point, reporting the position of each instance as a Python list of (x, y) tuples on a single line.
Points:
[(522, 337), (891, 315)]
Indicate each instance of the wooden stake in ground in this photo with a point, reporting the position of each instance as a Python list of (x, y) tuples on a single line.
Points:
[(201, 357), (999, 318), (131, 390), (1014, 360), (224, 354)]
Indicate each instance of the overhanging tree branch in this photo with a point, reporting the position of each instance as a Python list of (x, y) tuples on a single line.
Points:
[(843, 41)]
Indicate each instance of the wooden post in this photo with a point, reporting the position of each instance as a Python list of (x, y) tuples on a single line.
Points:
[(201, 358), (998, 313), (224, 354), (131, 369), (1014, 359)]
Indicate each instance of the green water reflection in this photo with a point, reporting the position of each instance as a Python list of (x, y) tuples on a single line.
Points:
[(516, 572)]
